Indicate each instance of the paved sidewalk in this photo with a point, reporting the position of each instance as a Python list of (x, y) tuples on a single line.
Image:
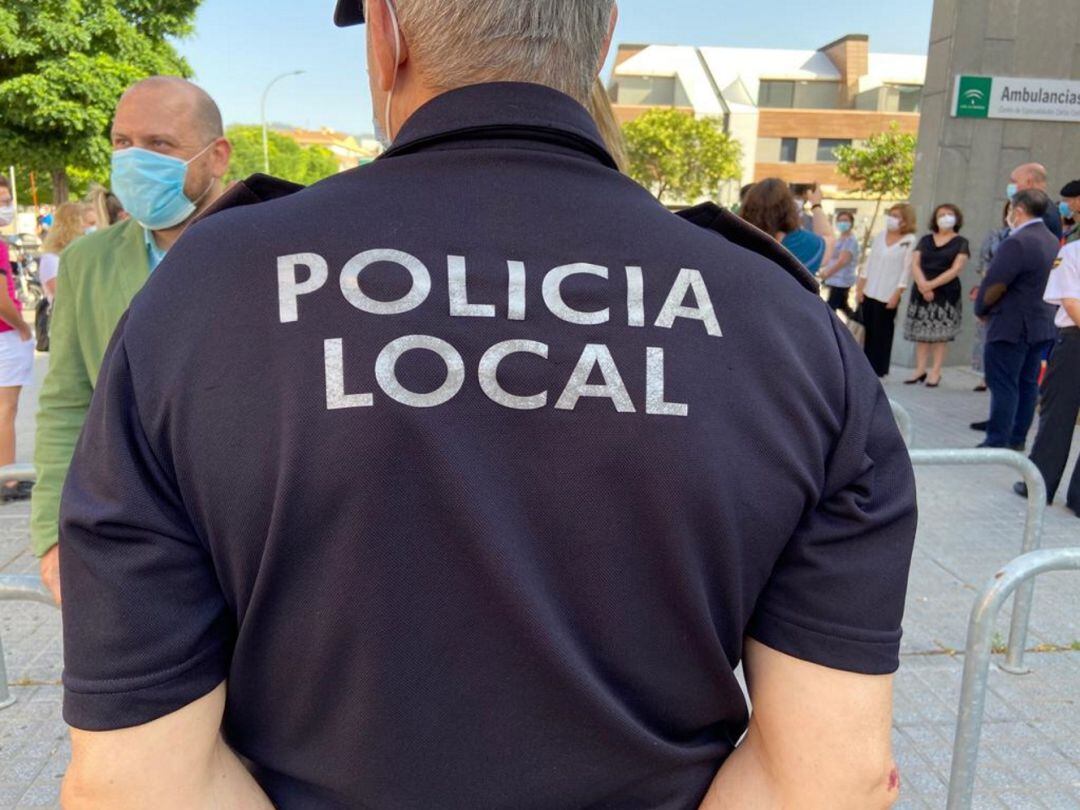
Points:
[(971, 525)]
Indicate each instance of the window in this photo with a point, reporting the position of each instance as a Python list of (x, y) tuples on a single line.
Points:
[(789, 149), (909, 98), (646, 91), (826, 148), (788, 95), (777, 94)]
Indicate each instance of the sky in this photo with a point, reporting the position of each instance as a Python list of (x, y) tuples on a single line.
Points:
[(235, 52)]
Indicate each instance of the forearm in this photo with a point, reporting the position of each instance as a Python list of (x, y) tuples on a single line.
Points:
[(748, 782), (9, 314), (1072, 307), (220, 782)]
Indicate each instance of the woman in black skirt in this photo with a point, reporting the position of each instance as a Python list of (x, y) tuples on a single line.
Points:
[(933, 318)]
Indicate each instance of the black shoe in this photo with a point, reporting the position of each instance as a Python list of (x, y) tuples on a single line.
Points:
[(933, 384), (981, 388), (1020, 488), (916, 381), (980, 427)]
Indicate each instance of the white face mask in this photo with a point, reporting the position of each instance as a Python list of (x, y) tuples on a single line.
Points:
[(892, 223), (946, 222), (7, 215)]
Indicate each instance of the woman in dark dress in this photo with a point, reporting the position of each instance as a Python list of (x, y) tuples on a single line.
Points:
[(933, 318)]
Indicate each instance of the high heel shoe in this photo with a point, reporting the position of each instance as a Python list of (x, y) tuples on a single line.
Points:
[(933, 384), (916, 381)]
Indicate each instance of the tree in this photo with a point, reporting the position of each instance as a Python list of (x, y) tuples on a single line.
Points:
[(288, 159), (882, 167), (673, 153), (64, 65)]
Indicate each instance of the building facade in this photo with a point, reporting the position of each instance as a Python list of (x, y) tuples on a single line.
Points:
[(348, 150), (789, 109)]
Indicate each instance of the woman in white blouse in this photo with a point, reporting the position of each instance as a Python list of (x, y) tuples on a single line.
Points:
[(68, 225), (882, 282)]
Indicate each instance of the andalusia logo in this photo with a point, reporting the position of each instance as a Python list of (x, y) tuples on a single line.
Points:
[(973, 97)]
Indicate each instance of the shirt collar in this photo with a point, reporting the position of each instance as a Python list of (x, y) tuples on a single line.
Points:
[(154, 254), (502, 109), (1021, 227)]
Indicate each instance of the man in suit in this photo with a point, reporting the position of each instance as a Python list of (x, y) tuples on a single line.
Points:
[(1020, 325), (169, 159)]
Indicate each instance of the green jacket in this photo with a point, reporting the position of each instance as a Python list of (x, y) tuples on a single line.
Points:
[(99, 276)]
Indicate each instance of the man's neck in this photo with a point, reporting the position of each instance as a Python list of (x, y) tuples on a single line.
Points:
[(165, 239)]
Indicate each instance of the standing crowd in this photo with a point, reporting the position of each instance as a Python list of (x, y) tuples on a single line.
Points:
[(1026, 304)]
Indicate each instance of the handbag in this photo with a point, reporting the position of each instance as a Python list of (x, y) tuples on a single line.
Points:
[(42, 314)]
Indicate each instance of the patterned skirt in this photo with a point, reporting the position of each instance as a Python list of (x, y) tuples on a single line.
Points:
[(936, 321)]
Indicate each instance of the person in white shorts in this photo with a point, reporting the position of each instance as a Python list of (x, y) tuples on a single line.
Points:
[(16, 352)]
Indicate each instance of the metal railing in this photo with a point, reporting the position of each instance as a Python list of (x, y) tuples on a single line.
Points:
[(1033, 526), (1013, 576), (18, 587), (903, 421), (23, 588)]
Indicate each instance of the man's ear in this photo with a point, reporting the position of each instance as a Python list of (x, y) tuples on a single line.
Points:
[(612, 22), (219, 156), (387, 44)]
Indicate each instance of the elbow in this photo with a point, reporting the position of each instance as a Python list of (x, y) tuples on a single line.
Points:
[(876, 787)]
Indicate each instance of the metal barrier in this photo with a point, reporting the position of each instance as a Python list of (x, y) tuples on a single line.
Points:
[(903, 421), (1033, 526), (18, 587), (1020, 571), (23, 588)]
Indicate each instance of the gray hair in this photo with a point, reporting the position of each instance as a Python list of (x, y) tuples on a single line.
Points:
[(1035, 202), (552, 42)]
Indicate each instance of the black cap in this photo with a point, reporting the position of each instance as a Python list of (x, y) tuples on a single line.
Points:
[(1071, 189), (349, 12)]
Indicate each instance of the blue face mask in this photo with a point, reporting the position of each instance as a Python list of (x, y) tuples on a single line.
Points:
[(843, 226), (151, 187), (1010, 191), (1066, 211)]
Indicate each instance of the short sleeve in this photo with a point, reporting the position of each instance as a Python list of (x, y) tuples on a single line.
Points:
[(146, 629), (48, 267), (1065, 278), (965, 247), (836, 595)]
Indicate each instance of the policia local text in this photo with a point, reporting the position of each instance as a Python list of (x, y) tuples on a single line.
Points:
[(594, 357)]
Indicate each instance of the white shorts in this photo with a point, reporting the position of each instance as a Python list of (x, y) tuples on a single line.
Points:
[(16, 360)]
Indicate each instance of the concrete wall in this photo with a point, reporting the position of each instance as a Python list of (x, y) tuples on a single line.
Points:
[(968, 161)]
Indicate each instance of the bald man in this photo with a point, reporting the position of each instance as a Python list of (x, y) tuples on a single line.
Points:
[(1034, 176), (169, 160)]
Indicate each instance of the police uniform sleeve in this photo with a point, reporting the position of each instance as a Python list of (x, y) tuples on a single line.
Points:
[(146, 629), (835, 596)]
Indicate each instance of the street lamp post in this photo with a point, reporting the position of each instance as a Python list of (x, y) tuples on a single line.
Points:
[(265, 132)]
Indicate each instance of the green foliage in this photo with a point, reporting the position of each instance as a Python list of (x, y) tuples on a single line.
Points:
[(674, 154), (64, 65), (883, 166), (288, 160)]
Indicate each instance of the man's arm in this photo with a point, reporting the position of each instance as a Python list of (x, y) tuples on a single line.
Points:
[(818, 738), (65, 398), (1072, 307), (178, 761), (1001, 273)]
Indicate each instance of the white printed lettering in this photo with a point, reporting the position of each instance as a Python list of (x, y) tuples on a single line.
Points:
[(554, 299), (459, 292), (489, 374), (418, 293), (290, 290), (655, 404), (386, 371), (336, 398), (596, 355), (673, 308)]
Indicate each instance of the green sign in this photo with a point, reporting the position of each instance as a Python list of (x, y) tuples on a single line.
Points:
[(1017, 98), (973, 96)]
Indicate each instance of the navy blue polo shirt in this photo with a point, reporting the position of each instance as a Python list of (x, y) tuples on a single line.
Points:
[(470, 471)]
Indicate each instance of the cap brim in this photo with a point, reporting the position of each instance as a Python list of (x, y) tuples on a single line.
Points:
[(349, 12)]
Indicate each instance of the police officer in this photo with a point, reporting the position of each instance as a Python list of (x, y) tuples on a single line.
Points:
[(478, 475), (1070, 209)]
